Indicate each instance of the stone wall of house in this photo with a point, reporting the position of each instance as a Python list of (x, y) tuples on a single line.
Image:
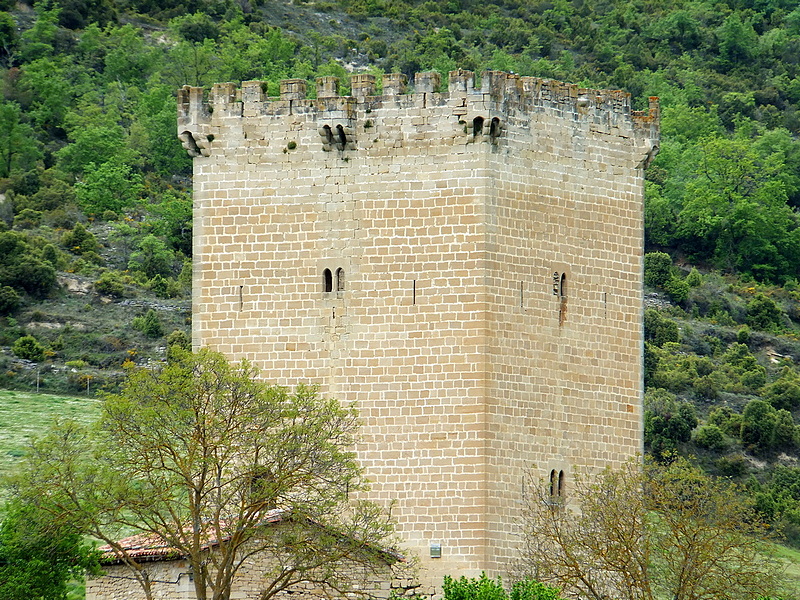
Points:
[(465, 266), (171, 580)]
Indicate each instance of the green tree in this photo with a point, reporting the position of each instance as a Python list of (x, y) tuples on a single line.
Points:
[(39, 556), (129, 59), (94, 145), (46, 82), (153, 257), (738, 41), (174, 220), (154, 132), (8, 33), (736, 210), (18, 147), (41, 39), (192, 63), (110, 186), (216, 450)]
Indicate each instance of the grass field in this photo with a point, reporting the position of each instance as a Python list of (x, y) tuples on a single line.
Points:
[(25, 415), (792, 558)]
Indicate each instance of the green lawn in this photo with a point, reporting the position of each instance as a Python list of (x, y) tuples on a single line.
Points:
[(792, 558), (26, 415)]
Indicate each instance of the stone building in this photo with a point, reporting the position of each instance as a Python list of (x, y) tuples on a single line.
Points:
[(381, 576), (465, 266)]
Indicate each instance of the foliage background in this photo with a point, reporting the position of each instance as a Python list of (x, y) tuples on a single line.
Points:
[(95, 191)]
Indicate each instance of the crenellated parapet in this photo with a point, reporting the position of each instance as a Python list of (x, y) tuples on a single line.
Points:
[(502, 101)]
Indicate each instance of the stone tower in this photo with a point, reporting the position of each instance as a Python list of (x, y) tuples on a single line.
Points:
[(465, 266)]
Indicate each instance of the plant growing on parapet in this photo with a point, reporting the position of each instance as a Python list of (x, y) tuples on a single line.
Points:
[(648, 531), (201, 446)]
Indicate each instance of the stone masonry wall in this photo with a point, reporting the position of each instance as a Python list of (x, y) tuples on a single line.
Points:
[(447, 220), (170, 580)]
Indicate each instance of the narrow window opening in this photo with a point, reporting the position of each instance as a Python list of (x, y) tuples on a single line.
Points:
[(241, 297), (557, 488), (562, 305), (414, 291), (327, 281), (494, 128), (342, 137), (562, 287), (555, 283), (339, 279), (328, 134), (477, 126), (605, 305)]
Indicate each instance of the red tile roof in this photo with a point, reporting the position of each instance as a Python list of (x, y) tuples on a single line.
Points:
[(149, 546)]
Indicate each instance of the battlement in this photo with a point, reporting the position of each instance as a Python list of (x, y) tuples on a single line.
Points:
[(500, 98)]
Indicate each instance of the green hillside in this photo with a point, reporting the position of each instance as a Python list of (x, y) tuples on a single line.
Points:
[(95, 191)]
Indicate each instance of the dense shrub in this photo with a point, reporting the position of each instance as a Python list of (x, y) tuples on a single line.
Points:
[(529, 589), (694, 278), (677, 289), (784, 392), (149, 324), (657, 269), (20, 268), (9, 300), (110, 283), (667, 422), (732, 465), (764, 314), (658, 329), (29, 348), (764, 428), (727, 419), (152, 258), (473, 589), (711, 437), (80, 241), (489, 589)]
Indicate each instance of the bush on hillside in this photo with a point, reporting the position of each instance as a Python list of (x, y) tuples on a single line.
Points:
[(657, 269), (28, 348)]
